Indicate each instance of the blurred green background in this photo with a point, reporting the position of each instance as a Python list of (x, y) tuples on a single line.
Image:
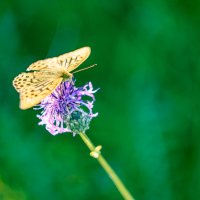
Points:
[(148, 56)]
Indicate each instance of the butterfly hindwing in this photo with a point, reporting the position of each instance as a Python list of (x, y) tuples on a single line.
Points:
[(33, 95), (49, 63), (35, 86)]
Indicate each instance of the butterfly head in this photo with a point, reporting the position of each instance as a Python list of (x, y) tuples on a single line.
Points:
[(67, 75)]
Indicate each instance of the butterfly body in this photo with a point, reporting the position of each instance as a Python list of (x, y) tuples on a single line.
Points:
[(43, 76)]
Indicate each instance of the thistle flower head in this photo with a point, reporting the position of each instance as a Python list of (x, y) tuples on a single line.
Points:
[(68, 109)]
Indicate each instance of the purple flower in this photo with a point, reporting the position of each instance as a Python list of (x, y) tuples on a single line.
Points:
[(67, 108)]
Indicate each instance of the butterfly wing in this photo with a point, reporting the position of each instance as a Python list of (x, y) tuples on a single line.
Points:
[(46, 75), (35, 86), (49, 63), (22, 81), (73, 59), (70, 60)]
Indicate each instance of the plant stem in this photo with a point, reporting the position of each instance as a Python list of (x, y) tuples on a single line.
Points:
[(113, 176)]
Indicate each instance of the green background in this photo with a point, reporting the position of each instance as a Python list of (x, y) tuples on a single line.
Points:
[(148, 56)]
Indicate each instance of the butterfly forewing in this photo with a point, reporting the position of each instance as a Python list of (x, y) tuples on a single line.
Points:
[(22, 81), (73, 59), (29, 79)]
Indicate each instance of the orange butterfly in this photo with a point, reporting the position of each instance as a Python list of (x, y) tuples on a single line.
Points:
[(45, 75)]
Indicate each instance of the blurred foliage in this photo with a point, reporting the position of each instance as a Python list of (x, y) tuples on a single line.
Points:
[(148, 71)]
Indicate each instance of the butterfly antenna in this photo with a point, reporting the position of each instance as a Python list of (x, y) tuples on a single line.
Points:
[(84, 68)]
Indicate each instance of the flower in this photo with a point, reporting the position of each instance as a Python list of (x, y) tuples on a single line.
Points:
[(66, 109)]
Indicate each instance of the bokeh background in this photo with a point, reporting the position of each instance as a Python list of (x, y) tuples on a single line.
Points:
[(148, 56)]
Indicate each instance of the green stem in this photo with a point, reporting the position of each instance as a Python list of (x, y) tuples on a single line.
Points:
[(113, 176)]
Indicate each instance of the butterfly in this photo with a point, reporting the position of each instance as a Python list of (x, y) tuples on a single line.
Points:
[(43, 77)]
